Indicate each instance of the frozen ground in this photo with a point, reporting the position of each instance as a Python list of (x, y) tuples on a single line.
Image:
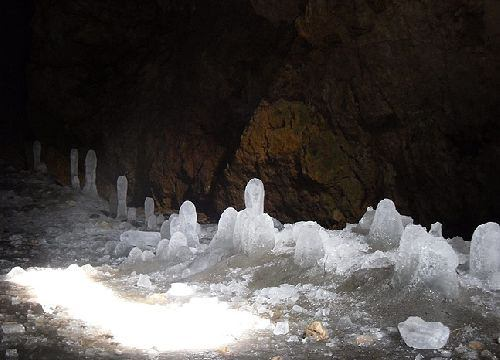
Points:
[(242, 307)]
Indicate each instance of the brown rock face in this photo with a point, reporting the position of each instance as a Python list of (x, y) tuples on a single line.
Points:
[(333, 104)]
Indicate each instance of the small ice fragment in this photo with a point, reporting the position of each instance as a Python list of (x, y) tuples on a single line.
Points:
[(90, 173), (436, 229), (121, 193), (297, 308), (281, 328), (131, 214), (75, 181), (420, 334), (387, 227), (149, 208), (12, 328), (144, 281), (485, 250), (293, 338)]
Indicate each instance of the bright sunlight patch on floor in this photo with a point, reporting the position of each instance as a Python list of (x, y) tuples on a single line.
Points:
[(199, 323)]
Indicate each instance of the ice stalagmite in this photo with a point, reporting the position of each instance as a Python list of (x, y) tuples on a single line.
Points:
[(309, 244), (37, 150), (253, 229), (386, 228), (75, 181), (131, 214), (149, 208), (485, 251), (90, 173), (121, 191), (223, 239), (188, 222), (425, 261)]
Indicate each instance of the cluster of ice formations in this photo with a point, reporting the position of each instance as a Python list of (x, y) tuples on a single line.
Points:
[(90, 173), (484, 260), (420, 334), (424, 259), (121, 191), (75, 181)]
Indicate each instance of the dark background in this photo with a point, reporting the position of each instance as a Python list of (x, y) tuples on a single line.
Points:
[(333, 104)]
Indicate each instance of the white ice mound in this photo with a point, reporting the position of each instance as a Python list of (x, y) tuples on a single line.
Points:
[(178, 250), (188, 223), (145, 240), (420, 334), (485, 251), (223, 239), (309, 243), (425, 260), (386, 228)]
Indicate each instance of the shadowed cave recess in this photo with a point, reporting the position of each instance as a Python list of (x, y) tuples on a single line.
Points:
[(333, 104)]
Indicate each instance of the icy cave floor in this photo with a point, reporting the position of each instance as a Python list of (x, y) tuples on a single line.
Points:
[(46, 225)]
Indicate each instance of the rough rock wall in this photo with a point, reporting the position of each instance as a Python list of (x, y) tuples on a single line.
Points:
[(333, 104)]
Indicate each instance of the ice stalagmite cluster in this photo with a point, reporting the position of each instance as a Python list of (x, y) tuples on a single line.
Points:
[(90, 173)]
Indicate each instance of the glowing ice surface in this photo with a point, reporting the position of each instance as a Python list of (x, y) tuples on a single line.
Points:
[(199, 323)]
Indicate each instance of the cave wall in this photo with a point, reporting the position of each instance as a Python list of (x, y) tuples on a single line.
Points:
[(333, 104)]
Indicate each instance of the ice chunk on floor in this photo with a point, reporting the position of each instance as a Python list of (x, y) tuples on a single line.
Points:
[(309, 244), (223, 239), (387, 227), (363, 227), (178, 250), (254, 197), (188, 223), (436, 229), (426, 260), (420, 334), (90, 173), (144, 281), (485, 251), (145, 240), (281, 328)]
